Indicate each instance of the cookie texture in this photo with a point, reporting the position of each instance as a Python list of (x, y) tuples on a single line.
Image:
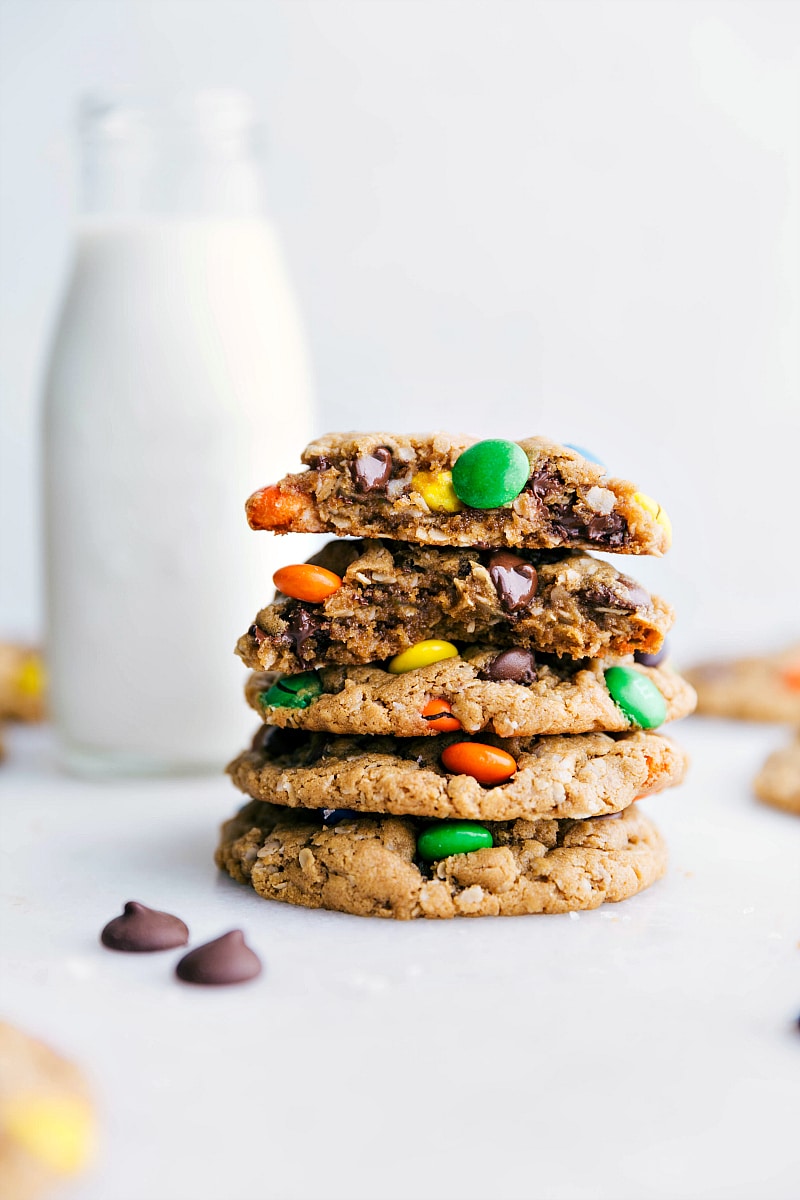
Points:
[(21, 683), (394, 594), (760, 688), (391, 485), (565, 697), (368, 866), (778, 781), (582, 776), (46, 1121)]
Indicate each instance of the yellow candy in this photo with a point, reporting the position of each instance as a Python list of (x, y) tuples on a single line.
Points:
[(30, 677), (654, 508), (57, 1131), (436, 489), (422, 655)]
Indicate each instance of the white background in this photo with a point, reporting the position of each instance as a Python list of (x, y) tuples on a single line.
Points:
[(578, 219)]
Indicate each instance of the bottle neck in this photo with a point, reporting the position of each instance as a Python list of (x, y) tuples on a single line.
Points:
[(194, 158)]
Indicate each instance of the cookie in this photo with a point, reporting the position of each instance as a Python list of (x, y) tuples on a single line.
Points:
[(369, 866), (762, 688), (563, 696), (582, 776), (21, 683), (389, 595), (46, 1121), (778, 781), (453, 491)]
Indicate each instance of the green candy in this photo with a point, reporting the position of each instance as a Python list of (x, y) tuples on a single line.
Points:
[(452, 837), (637, 696), (490, 473), (292, 691)]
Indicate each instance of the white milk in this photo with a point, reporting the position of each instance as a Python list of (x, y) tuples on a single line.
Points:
[(178, 383)]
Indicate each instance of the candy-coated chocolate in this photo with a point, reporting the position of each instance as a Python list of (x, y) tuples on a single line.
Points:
[(652, 660), (487, 764), (292, 691), (438, 713), (790, 676), (452, 837), (332, 816), (637, 696), (57, 1130), (490, 473), (436, 489), (587, 454), (307, 581), (654, 508), (30, 679), (422, 654)]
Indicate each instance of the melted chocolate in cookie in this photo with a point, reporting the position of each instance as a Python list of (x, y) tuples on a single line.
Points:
[(514, 578)]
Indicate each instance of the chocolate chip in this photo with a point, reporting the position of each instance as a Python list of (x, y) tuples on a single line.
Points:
[(515, 666), (652, 660), (141, 929), (228, 959), (628, 598), (371, 472), (544, 482), (258, 634), (610, 530), (514, 578), (301, 626)]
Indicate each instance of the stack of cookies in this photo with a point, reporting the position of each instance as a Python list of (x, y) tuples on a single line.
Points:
[(459, 702)]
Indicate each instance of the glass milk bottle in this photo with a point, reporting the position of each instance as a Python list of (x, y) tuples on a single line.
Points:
[(178, 382)]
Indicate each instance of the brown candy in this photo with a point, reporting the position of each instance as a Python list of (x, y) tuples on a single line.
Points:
[(226, 960), (514, 666), (142, 929), (371, 472), (514, 578)]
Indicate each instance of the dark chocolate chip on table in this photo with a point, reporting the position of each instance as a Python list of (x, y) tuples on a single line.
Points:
[(226, 960), (514, 578), (371, 472), (141, 929), (513, 666), (651, 660)]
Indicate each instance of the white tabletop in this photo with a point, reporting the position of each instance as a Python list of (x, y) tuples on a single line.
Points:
[(644, 1050)]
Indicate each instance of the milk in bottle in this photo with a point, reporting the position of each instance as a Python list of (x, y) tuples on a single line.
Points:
[(178, 383)]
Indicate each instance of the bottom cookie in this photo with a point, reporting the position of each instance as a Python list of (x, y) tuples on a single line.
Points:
[(368, 865), (778, 781)]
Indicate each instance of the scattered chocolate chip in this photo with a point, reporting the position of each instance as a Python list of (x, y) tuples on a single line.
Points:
[(301, 626), (228, 959), (515, 666), (141, 929), (610, 530), (636, 594), (322, 463), (258, 634), (651, 660), (514, 578), (371, 472)]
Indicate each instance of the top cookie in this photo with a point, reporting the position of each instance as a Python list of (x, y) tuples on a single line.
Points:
[(454, 491)]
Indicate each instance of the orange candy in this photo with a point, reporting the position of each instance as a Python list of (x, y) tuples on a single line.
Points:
[(307, 581), (487, 764), (790, 675), (437, 713)]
